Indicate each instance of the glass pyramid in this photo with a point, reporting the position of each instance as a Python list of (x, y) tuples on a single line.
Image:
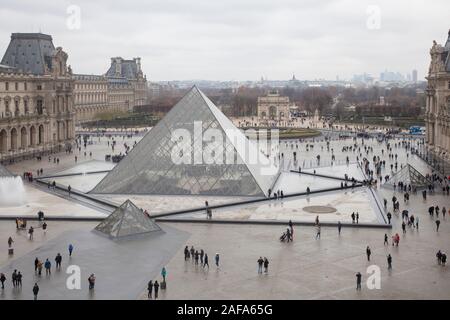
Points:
[(5, 172), (408, 175), (149, 167), (127, 220)]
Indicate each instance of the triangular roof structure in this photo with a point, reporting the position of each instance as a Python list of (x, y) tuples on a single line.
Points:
[(408, 175), (150, 167), (5, 172), (127, 220)]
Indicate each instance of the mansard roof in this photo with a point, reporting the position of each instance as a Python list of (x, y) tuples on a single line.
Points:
[(29, 52), (127, 69)]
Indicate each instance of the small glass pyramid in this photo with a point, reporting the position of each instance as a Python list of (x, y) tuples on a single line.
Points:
[(409, 176), (127, 220)]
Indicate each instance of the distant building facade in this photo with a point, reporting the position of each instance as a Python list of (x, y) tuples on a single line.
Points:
[(437, 116), (273, 107), (91, 96), (123, 87), (36, 97)]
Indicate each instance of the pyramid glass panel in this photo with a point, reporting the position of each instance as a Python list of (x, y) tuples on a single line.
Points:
[(150, 169), (409, 176), (127, 220), (5, 172)]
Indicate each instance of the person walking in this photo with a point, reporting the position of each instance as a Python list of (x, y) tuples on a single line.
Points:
[(44, 227), (196, 254), (10, 242), (19, 279), (439, 257), (291, 226), (149, 289), (389, 261), (186, 253), (36, 263), (156, 287), (2, 280), (164, 273), (353, 217), (69, 188), (39, 267), (14, 278), (386, 242), (403, 227), (91, 281), (438, 223), (358, 281), (70, 250), (260, 264), (35, 291), (266, 265), (368, 253), (339, 227), (192, 253), (389, 216), (30, 232), (318, 232), (58, 260), (417, 223), (48, 266), (202, 254), (206, 263), (357, 217), (217, 260)]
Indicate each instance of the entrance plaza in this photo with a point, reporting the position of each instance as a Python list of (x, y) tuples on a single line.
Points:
[(127, 221), (303, 269)]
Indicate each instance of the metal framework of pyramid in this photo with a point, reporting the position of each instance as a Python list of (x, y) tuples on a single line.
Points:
[(5, 172), (127, 220), (408, 175), (149, 168)]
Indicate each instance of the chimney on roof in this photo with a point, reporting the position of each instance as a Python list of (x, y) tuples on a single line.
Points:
[(138, 63), (118, 64)]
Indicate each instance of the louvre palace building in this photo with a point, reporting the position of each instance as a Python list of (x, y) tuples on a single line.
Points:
[(41, 99), (36, 97), (437, 117)]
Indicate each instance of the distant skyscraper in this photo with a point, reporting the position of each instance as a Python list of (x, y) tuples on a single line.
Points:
[(414, 75)]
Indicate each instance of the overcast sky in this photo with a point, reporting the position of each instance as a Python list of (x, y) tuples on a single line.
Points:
[(237, 39)]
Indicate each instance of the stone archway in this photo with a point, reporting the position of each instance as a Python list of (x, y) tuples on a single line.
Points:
[(23, 138), (3, 141), (273, 112), (32, 136), (14, 139)]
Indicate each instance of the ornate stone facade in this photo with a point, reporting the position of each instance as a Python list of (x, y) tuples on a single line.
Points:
[(273, 107), (123, 87), (91, 96), (36, 98), (437, 115)]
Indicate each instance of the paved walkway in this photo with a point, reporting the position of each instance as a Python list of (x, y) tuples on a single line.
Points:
[(122, 268)]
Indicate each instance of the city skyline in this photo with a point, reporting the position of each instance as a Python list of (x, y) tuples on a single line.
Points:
[(236, 40)]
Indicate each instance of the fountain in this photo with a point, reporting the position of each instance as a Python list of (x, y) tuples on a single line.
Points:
[(12, 191)]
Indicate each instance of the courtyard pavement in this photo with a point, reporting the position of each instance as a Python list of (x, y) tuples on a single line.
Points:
[(304, 269)]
